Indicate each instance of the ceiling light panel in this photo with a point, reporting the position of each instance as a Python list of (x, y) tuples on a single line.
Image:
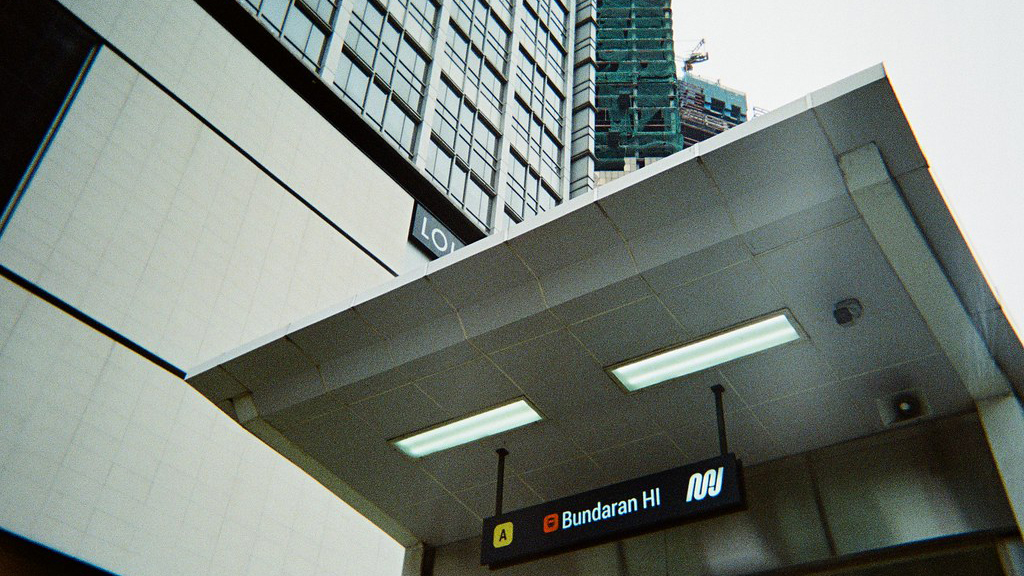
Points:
[(744, 340), (488, 423)]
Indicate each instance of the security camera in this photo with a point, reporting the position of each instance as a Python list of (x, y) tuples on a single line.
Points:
[(847, 311)]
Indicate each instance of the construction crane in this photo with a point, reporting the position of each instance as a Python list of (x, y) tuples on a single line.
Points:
[(695, 57)]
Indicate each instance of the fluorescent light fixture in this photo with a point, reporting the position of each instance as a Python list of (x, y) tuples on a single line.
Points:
[(493, 421), (702, 354)]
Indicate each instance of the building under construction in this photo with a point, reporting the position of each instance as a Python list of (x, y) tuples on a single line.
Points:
[(637, 108), (708, 108)]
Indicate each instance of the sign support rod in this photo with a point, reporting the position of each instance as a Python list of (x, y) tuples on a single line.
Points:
[(502, 453), (723, 443)]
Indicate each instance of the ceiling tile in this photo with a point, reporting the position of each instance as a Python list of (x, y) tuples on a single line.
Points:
[(357, 454), (686, 399), (747, 437), (680, 269), (872, 114), (469, 387), (533, 446), (639, 458), (778, 372), (933, 376), (400, 411), (461, 467), (565, 478), (440, 520), (684, 191), (553, 369), (516, 495), (338, 335), (577, 235), (780, 170), (723, 299), (288, 391), (519, 331), (441, 340), (216, 384), (356, 366), (600, 269), (485, 275), (628, 331), (516, 314), (404, 308), (795, 226), (601, 299), (274, 361), (819, 417)]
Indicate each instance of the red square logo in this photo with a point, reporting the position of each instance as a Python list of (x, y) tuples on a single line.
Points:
[(551, 522)]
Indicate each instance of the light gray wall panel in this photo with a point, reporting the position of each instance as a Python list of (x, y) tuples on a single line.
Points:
[(146, 220)]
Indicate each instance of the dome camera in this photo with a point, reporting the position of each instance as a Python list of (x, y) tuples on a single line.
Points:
[(847, 311)]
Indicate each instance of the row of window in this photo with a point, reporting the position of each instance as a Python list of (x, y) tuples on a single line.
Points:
[(545, 47), (304, 24), (485, 29), (462, 187), (384, 48), (378, 103), (528, 194), (539, 93), (474, 75), (466, 133), (533, 142)]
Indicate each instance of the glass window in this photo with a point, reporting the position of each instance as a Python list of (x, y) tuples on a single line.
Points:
[(376, 99), (352, 80), (399, 126), (304, 24)]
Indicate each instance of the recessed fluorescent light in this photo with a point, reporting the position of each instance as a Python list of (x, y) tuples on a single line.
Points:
[(705, 353), (493, 421)]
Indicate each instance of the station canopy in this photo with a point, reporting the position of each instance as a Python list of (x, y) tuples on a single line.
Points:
[(825, 199)]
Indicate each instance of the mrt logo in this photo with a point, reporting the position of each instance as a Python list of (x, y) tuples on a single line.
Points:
[(502, 535), (551, 522)]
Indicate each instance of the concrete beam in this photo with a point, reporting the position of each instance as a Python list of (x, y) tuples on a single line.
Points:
[(887, 216)]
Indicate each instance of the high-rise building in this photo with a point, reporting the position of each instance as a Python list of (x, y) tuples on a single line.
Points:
[(707, 108), (637, 110)]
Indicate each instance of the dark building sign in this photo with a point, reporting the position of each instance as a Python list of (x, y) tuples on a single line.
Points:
[(431, 235), (671, 497)]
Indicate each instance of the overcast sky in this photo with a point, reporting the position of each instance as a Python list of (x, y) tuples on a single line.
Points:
[(957, 68)]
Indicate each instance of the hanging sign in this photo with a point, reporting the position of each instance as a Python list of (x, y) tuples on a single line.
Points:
[(692, 492), (431, 235)]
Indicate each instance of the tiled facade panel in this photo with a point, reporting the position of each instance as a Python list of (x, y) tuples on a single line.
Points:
[(200, 62), (111, 459), (143, 218)]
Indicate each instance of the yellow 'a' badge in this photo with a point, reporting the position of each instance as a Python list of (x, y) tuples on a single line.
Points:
[(502, 534)]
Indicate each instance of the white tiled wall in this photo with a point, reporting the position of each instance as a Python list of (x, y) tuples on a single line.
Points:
[(200, 62), (146, 220), (109, 458)]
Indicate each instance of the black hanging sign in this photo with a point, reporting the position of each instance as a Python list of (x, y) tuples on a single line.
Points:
[(691, 492), (430, 234)]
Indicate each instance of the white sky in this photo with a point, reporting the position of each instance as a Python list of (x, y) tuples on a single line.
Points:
[(956, 66)]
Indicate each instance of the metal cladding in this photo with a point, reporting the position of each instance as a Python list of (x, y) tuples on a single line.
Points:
[(637, 111)]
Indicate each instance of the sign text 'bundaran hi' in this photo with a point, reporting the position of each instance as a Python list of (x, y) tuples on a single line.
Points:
[(671, 497)]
